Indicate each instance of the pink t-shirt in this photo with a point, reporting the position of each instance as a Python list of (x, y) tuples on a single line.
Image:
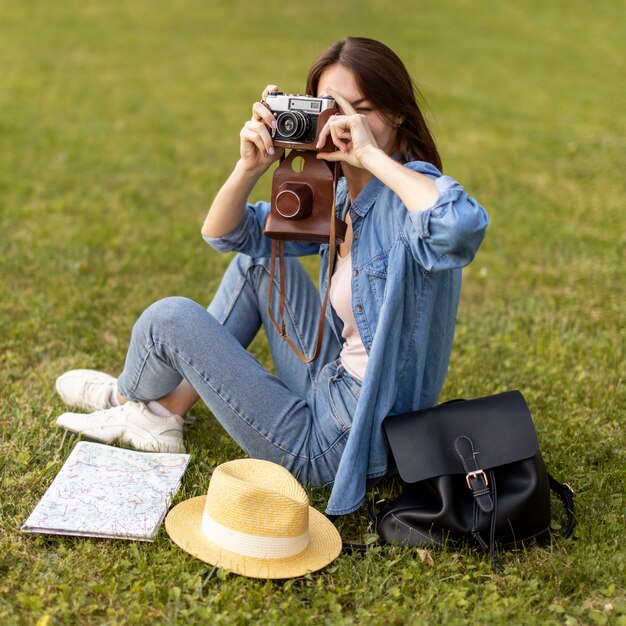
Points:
[(353, 354)]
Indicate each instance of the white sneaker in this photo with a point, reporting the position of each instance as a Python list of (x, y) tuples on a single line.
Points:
[(89, 390), (132, 423)]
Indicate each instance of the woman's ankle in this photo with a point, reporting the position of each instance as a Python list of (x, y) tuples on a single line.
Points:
[(117, 399)]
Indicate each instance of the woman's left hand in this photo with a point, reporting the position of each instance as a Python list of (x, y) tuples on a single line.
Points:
[(350, 132)]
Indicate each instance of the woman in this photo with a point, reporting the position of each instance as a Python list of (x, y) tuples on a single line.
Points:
[(394, 299)]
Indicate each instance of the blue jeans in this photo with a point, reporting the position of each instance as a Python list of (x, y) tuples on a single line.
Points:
[(300, 417)]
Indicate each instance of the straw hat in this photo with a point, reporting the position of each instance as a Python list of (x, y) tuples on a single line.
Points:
[(256, 521)]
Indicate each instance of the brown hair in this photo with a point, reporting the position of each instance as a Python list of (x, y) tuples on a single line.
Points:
[(385, 82)]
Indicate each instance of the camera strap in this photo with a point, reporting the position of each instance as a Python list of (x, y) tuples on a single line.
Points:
[(278, 251)]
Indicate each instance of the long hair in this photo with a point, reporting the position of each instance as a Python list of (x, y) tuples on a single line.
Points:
[(385, 82)]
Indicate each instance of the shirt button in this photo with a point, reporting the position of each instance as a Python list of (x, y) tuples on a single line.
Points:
[(355, 273), (359, 308)]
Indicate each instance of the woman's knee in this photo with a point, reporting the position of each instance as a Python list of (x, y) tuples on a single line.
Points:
[(168, 314)]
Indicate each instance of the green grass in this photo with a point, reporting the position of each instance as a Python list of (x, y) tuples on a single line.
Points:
[(118, 122)]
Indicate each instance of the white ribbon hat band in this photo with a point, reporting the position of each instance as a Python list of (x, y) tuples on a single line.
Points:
[(252, 545)]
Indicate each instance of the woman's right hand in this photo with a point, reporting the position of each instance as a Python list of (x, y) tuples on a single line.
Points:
[(257, 151)]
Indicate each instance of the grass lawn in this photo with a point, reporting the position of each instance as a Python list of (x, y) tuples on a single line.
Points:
[(118, 122)]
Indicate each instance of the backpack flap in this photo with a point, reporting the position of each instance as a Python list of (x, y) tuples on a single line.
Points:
[(461, 437)]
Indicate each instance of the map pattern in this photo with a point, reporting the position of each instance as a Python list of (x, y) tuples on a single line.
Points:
[(102, 491)]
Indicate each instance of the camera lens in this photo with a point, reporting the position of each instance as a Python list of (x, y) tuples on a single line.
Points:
[(292, 125)]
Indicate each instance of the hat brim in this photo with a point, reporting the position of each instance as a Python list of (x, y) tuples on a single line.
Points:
[(183, 526)]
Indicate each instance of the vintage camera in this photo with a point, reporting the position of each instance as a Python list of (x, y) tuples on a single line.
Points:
[(299, 119), (303, 186)]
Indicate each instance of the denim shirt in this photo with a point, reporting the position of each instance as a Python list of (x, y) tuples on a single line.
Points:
[(406, 281)]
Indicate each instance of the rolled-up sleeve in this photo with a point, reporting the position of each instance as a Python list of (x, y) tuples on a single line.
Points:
[(448, 234), (248, 237)]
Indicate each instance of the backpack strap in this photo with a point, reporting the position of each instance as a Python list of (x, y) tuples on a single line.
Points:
[(566, 494)]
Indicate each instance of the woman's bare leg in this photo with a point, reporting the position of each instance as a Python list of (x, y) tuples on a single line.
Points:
[(178, 401)]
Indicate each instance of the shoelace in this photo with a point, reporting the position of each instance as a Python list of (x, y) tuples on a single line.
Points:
[(100, 391)]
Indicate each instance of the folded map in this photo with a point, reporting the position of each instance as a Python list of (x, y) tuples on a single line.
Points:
[(103, 491)]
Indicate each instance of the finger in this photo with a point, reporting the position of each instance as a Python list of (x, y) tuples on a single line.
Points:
[(337, 155), (260, 127), (343, 133), (250, 137), (344, 105), (267, 90), (323, 138), (338, 135), (257, 133), (262, 113), (334, 123), (339, 127)]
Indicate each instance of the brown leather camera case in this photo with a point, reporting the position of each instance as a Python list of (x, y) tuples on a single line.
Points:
[(303, 201)]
